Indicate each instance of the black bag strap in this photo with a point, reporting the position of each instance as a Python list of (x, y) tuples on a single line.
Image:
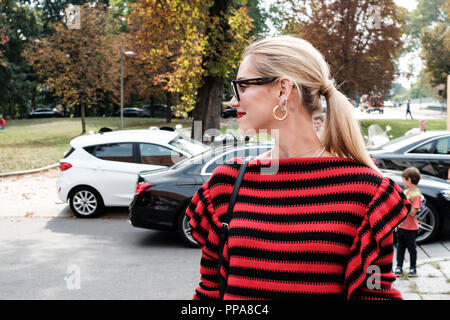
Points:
[(234, 194), (224, 230)]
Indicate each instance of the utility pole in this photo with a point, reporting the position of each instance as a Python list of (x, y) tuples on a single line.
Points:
[(448, 103), (122, 54)]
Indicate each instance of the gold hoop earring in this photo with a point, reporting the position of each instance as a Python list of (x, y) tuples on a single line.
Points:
[(283, 108)]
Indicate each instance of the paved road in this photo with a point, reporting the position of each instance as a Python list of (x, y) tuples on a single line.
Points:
[(106, 258), (43, 258)]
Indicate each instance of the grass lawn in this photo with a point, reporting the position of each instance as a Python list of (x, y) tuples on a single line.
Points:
[(36, 143), (400, 127)]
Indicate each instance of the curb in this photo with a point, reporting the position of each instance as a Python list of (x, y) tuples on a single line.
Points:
[(29, 171)]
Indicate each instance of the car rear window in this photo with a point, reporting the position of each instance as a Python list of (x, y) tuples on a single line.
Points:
[(68, 153), (158, 155), (90, 149), (121, 152)]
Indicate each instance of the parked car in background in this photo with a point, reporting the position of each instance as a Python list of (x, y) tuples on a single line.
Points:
[(100, 170), (228, 112), (435, 212), (157, 111), (429, 152), (43, 113), (160, 111), (161, 197), (130, 112)]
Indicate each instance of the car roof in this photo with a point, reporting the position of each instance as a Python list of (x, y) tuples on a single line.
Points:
[(405, 141), (142, 135), (218, 150)]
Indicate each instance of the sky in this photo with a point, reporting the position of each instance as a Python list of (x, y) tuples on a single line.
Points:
[(404, 61)]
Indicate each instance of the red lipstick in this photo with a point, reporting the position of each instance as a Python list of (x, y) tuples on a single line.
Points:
[(240, 114)]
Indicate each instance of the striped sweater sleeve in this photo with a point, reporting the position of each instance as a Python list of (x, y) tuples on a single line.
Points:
[(369, 275), (204, 230)]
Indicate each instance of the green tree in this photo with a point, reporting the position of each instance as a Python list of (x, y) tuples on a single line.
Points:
[(190, 47), (436, 49), (226, 33), (423, 16), (18, 24), (53, 11)]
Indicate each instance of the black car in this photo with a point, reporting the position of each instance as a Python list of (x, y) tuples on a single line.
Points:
[(43, 113), (130, 112), (155, 111), (161, 197), (429, 152), (228, 112), (160, 111), (435, 211)]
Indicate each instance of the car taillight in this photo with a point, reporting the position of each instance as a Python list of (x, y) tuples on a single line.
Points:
[(141, 187), (374, 160), (63, 166)]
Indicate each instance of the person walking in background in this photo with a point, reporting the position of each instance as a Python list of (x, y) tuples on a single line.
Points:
[(2, 122), (407, 230), (312, 214), (408, 109)]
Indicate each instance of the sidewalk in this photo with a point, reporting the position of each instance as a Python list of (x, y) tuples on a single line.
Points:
[(432, 282)]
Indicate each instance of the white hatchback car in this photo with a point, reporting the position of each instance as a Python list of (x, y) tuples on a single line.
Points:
[(101, 170)]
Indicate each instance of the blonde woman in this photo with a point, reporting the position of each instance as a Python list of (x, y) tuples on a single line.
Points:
[(320, 226)]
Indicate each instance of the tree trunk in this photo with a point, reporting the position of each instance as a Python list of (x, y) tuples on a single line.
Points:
[(83, 116), (208, 106), (152, 108), (169, 104), (207, 109)]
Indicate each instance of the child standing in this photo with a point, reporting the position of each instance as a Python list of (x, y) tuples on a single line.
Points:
[(407, 230)]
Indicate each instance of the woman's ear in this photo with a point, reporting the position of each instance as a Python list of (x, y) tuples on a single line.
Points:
[(285, 86)]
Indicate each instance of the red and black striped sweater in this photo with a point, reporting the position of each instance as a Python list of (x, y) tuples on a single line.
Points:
[(314, 228)]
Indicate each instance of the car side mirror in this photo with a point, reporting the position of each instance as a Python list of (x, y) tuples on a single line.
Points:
[(388, 128)]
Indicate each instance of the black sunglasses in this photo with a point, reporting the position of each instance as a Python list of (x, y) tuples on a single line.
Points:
[(253, 81)]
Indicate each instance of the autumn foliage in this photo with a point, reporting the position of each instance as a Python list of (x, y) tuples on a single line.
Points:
[(360, 39), (79, 65), (174, 38)]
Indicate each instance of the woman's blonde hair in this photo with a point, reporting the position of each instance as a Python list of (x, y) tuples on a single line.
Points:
[(298, 60)]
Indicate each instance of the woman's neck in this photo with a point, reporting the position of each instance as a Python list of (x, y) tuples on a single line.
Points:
[(295, 141)]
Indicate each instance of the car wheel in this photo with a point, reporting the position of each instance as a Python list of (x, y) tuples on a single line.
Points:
[(85, 202), (429, 223), (185, 230)]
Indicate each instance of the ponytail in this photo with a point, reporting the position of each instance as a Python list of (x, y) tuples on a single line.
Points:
[(342, 134)]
